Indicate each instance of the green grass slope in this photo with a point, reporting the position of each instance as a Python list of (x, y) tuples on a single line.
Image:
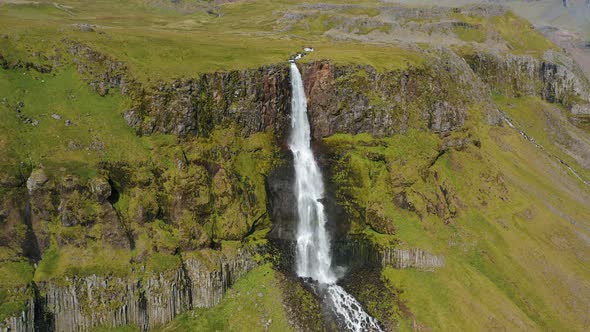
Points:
[(160, 43), (515, 237), (518, 263), (254, 303), (97, 131), (159, 40)]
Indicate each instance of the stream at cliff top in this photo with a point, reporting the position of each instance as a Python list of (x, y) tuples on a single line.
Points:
[(313, 255)]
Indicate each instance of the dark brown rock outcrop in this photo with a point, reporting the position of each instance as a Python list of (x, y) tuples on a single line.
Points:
[(255, 100), (360, 99)]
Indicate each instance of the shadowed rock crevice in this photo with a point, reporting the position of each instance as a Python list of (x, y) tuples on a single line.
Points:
[(30, 245), (281, 200), (113, 198)]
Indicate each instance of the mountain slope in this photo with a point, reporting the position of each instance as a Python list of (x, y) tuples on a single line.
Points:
[(144, 167)]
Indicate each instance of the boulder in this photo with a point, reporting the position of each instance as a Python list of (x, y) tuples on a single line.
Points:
[(101, 189), (36, 180)]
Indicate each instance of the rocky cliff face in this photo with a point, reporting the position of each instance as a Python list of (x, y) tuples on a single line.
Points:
[(412, 258), (555, 78), (185, 211), (352, 99), (349, 99), (145, 300), (133, 244), (358, 252), (357, 99), (256, 100)]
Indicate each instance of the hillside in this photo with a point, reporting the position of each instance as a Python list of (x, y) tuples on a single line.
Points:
[(146, 182)]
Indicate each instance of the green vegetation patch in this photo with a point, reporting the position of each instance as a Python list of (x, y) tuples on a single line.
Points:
[(253, 303), (476, 34), (511, 251), (15, 278), (158, 262), (239, 183), (15, 274), (521, 35), (157, 43), (57, 121), (58, 263), (368, 171), (126, 328), (547, 124), (506, 253), (12, 303)]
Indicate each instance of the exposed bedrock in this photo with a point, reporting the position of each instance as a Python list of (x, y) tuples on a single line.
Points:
[(356, 252), (341, 98), (145, 300), (257, 100), (360, 99), (555, 78), (435, 95)]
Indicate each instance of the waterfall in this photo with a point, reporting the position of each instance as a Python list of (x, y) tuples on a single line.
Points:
[(313, 256)]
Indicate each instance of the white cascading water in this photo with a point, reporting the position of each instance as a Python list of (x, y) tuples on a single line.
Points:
[(313, 256)]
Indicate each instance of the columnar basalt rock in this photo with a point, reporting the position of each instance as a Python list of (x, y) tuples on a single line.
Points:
[(23, 322), (357, 252), (167, 295), (86, 302), (555, 78), (210, 277), (148, 301), (411, 258)]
